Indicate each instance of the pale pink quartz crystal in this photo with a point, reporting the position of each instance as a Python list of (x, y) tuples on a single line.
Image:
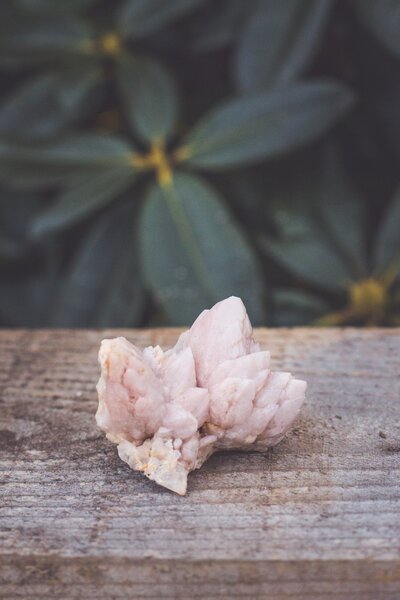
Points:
[(169, 411)]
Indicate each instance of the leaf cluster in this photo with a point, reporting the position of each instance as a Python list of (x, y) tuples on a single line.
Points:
[(157, 156)]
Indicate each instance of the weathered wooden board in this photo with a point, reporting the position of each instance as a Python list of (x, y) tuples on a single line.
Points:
[(316, 517)]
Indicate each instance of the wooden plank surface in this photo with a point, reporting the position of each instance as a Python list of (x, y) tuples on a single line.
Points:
[(316, 517)]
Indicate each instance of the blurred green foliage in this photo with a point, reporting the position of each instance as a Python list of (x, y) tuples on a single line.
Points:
[(159, 155)]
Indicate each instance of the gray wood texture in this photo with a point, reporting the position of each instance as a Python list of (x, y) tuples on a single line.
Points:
[(316, 517)]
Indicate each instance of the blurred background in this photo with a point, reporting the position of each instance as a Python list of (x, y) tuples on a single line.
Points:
[(157, 156)]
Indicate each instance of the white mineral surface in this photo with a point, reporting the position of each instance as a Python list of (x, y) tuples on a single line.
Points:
[(169, 411)]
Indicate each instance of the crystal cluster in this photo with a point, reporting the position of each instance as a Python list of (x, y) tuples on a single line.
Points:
[(169, 411)]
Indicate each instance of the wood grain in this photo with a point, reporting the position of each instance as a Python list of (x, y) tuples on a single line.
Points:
[(316, 517)]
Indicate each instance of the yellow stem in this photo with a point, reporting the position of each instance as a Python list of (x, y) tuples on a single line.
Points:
[(157, 160), (110, 43)]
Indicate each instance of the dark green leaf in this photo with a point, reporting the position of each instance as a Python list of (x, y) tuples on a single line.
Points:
[(103, 286), (44, 39), (139, 18), (382, 18), (47, 103), (265, 125), (343, 215), (293, 308), (85, 195), (387, 248), (17, 211), (149, 96), (29, 178), (278, 41), (193, 254), (321, 226), (309, 256), (74, 154)]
